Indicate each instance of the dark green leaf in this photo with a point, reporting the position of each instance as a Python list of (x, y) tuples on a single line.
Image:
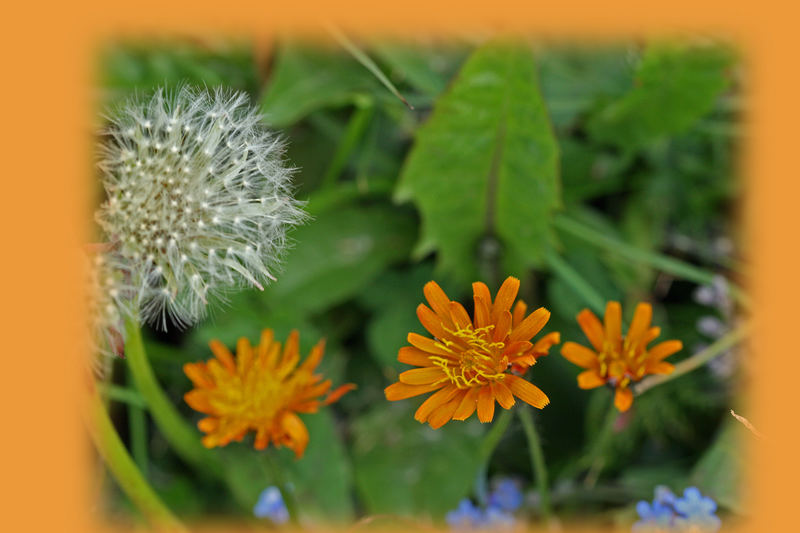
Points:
[(676, 84), (307, 79), (486, 163), (338, 253)]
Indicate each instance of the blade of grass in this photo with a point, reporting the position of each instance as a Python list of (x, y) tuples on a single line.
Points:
[(571, 277), (367, 62)]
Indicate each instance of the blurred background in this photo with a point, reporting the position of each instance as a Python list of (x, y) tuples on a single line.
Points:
[(635, 140)]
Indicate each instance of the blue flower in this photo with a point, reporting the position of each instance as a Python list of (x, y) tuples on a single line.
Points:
[(691, 513), (270, 505), (506, 495), (466, 516), (496, 518)]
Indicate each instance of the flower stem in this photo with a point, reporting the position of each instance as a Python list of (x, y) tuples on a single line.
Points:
[(595, 459), (182, 437), (493, 436), (571, 277), (537, 459), (702, 357), (662, 262), (124, 470), (276, 475)]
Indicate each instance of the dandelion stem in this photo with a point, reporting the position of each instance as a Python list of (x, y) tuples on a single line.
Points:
[(124, 470), (661, 262), (572, 278), (137, 425), (276, 475), (180, 435), (702, 357), (537, 459)]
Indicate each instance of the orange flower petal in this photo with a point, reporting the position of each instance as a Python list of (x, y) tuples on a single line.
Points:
[(502, 326), (529, 327), (517, 347), (480, 290), (444, 413), (662, 350), (338, 392), (208, 424), (223, 355), (579, 355), (623, 399), (199, 376), (439, 301), (482, 314), (659, 368), (518, 315), (291, 354), (526, 391), (430, 321), (543, 345), (485, 405), (613, 322), (651, 334), (426, 345), (403, 391), (244, 354), (505, 296), (590, 379), (434, 401), (592, 328), (267, 338), (459, 315), (640, 323), (413, 356), (422, 376), (297, 432), (468, 404), (199, 401), (314, 358), (503, 395)]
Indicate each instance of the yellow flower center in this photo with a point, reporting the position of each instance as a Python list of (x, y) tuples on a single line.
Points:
[(622, 367), (475, 359)]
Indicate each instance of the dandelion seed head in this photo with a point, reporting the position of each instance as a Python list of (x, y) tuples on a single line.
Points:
[(231, 161)]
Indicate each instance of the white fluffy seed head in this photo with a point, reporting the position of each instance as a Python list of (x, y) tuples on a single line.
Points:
[(154, 218), (109, 298)]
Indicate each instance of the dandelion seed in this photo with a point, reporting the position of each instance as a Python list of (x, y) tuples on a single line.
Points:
[(207, 169)]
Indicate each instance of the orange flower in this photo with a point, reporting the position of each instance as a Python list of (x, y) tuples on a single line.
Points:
[(469, 362), (262, 390), (616, 360)]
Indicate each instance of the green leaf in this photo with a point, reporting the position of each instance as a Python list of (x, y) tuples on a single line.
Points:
[(323, 478), (339, 253), (307, 79), (720, 471), (427, 69), (676, 85), (404, 467), (485, 163)]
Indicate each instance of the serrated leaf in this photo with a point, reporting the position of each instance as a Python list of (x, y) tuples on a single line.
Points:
[(338, 253), (306, 79), (404, 467), (486, 162), (675, 85)]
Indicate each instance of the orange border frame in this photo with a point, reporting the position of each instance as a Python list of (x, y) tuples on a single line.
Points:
[(47, 93)]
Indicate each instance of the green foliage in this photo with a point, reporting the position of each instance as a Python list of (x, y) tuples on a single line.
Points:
[(639, 140), (306, 79), (485, 164), (404, 467), (675, 85)]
